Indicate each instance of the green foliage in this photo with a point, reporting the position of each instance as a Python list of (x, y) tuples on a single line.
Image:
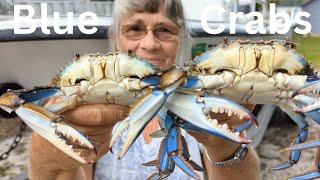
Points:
[(309, 47)]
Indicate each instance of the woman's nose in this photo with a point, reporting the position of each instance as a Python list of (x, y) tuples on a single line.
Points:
[(150, 41)]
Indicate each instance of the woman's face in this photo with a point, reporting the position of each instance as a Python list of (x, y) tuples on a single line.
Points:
[(153, 37)]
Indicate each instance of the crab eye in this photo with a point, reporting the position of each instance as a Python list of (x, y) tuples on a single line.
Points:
[(219, 71), (78, 81), (281, 71), (134, 77)]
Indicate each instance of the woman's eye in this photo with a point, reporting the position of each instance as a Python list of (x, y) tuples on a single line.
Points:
[(164, 30), (135, 28)]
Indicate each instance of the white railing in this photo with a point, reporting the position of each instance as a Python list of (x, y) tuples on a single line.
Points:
[(101, 8)]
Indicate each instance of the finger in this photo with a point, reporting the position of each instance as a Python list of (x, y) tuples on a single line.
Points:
[(96, 114)]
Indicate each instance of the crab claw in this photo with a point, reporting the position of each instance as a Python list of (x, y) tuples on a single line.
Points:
[(42, 122), (139, 116), (144, 110), (195, 111)]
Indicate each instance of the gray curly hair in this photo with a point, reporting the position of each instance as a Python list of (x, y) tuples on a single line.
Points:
[(173, 10)]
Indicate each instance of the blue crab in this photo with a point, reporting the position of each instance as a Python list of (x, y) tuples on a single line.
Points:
[(263, 72)]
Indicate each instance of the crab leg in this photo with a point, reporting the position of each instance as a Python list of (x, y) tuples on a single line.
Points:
[(307, 176), (177, 149), (164, 163), (12, 99), (303, 101), (313, 88), (243, 126), (222, 80), (173, 150), (196, 111), (302, 136), (307, 145), (312, 174)]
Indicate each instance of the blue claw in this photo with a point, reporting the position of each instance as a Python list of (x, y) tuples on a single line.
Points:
[(42, 122), (195, 112), (307, 176), (142, 113)]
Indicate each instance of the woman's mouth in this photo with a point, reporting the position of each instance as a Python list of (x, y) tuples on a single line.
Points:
[(153, 60)]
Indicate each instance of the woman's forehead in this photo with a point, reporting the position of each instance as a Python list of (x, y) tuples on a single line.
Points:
[(147, 19)]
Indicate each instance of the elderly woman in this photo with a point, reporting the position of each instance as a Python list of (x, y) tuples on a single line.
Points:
[(154, 30)]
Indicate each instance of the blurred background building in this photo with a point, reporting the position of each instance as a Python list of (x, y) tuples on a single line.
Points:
[(313, 6), (100, 7)]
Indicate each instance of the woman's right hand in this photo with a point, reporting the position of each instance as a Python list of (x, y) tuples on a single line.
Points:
[(96, 121)]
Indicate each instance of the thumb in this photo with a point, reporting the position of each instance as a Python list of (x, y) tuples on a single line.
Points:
[(96, 114)]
